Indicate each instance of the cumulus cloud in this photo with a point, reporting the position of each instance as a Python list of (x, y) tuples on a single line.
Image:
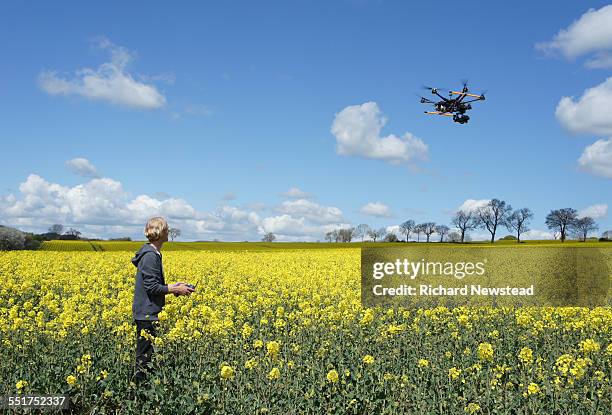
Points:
[(537, 234), (102, 208), (357, 130), (109, 82), (295, 192), (471, 205), (377, 209), (597, 211), (597, 158), (82, 167), (311, 211), (590, 113), (591, 33)]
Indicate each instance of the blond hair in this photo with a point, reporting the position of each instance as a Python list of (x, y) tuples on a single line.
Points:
[(155, 227)]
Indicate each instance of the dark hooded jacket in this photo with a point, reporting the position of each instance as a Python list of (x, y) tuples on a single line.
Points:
[(150, 288)]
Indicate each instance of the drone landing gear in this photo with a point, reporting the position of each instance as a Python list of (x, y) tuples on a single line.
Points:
[(461, 118)]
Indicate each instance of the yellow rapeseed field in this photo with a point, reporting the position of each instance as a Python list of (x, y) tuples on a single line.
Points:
[(282, 332)]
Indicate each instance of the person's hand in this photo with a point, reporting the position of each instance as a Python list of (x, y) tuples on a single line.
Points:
[(180, 288)]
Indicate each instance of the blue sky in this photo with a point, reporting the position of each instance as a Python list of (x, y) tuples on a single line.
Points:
[(209, 114)]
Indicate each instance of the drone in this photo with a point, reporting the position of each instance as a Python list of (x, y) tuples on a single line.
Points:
[(455, 105)]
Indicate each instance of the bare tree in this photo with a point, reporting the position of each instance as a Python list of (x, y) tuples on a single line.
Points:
[(57, 228), (454, 236), (583, 226), (377, 233), (464, 221), (329, 236), (346, 234), (73, 232), (428, 229), (518, 221), (174, 233), (562, 219), (442, 230), (406, 228), (361, 231), (419, 229), (493, 215), (391, 237), (269, 237)]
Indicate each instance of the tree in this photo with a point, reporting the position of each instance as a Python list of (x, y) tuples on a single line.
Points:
[(73, 232), (361, 231), (57, 228), (346, 234), (377, 233), (329, 236), (442, 230), (174, 233), (11, 238), (454, 236), (419, 229), (561, 220), (464, 221), (607, 235), (518, 221), (391, 237), (269, 237), (583, 226), (428, 229), (406, 228), (494, 214)]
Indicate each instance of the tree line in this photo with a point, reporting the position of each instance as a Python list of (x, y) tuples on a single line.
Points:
[(492, 217)]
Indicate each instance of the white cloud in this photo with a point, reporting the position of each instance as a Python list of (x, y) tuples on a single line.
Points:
[(101, 207), (311, 211), (295, 192), (591, 33), (590, 113), (394, 229), (471, 205), (597, 158), (377, 209), (597, 211), (357, 131), (291, 228), (109, 82), (537, 234), (82, 167)]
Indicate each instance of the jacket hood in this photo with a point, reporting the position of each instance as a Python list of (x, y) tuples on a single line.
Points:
[(141, 252)]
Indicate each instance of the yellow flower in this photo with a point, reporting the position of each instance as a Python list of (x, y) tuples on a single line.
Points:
[(332, 376), (533, 388), (227, 372), (21, 384), (246, 330), (423, 363), (257, 344), (454, 373), (526, 355), (472, 408), (250, 364), (274, 374), (368, 359), (589, 345), (71, 380), (273, 348), (485, 351), (86, 360)]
